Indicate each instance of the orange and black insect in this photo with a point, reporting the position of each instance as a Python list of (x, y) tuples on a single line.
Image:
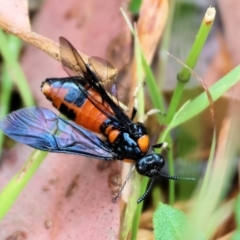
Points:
[(84, 99)]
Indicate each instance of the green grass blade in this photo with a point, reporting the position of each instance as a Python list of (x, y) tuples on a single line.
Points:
[(184, 74), (19, 181), (14, 48), (15, 71), (156, 97), (201, 102)]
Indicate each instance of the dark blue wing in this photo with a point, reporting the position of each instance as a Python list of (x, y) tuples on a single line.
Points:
[(42, 129)]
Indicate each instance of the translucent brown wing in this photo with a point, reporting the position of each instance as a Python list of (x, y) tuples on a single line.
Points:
[(71, 60), (103, 69), (108, 77), (93, 73)]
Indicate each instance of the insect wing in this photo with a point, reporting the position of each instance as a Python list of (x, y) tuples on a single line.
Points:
[(71, 60), (42, 129), (74, 64), (107, 74), (103, 69)]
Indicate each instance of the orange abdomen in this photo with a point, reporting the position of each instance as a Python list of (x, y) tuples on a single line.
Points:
[(68, 98)]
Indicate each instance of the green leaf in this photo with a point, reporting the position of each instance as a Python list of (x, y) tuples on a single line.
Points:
[(170, 223)]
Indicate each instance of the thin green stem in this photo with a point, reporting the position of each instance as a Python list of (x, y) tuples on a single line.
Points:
[(184, 75), (19, 181), (138, 212), (171, 172), (141, 105)]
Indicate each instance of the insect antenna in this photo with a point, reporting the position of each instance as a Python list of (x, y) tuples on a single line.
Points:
[(122, 187), (175, 177), (165, 176), (147, 192)]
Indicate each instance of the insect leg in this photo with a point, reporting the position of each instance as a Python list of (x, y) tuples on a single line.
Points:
[(122, 187), (150, 112), (134, 112), (135, 108), (163, 145)]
